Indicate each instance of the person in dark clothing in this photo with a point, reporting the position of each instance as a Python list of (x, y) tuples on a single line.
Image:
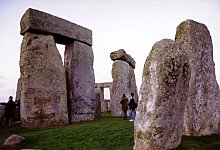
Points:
[(124, 103), (9, 109), (132, 107)]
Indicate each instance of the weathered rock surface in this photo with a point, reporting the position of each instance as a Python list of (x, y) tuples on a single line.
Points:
[(13, 140), (122, 55), (43, 83), (163, 94), (123, 83), (63, 31), (80, 81), (202, 114)]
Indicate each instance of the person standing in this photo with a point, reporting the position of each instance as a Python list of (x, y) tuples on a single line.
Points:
[(124, 103), (9, 110), (132, 107)]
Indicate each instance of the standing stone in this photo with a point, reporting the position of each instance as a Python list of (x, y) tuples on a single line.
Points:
[(123, 83), (163, 95), (43, 83), (80, 81), (2, 112), (18, 90), (98, 97), (202, 113)]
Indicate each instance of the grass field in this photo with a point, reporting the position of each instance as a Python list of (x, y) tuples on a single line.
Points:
[(106, 133)]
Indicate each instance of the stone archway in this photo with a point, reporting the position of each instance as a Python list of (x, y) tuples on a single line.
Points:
[(46, 85)]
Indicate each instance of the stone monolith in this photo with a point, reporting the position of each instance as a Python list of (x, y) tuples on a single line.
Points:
[(124, 82), (80, 81), (43, 83), (202, 113), (163, 94)]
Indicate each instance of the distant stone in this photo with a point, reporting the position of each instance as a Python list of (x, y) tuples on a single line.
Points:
[(98, 98), (122, 55), (43, 83), (13, 140), (202, 114), (80, 81), (163, 95), (18, 90), (63, 31), (2, 112), (124, 82)]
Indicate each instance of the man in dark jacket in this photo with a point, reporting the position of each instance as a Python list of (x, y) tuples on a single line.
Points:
[(9, 109), (132, 106), (124, 103)]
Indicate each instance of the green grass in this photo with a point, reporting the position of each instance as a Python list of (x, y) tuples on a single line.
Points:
[(106, 133)]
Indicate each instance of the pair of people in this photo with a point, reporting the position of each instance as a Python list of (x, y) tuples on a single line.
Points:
[(132, 106)]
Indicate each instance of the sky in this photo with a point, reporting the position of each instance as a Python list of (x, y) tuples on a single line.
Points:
[(132, 25)]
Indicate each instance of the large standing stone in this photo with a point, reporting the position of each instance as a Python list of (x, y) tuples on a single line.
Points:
[(202, 114), (163, 95), (123, 83), (80, 81), (43, 83), (63, 31)]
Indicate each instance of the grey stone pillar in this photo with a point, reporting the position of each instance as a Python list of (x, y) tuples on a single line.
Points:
[(43, 83), (163, 95), (80, 81), (202, 113)]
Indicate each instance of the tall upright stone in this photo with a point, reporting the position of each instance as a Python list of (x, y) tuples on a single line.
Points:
[(80, 81), (124, 81), (163, 94), (43, 83), (202, 114)]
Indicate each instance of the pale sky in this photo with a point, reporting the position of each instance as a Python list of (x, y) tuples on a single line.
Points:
[(133, 25)]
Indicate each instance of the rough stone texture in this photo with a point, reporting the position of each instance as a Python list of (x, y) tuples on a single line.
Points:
[(122, 55), (80, 82), (13, 140), (43, 83), (99, 95), (163, 94), (123, 83), (202, 110), (2, 112), (64, 32)]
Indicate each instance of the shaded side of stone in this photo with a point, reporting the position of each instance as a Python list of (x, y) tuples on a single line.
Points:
[(122, 55), (43, 83), (63, 31), (163, 95), (202, 114), (123, 83), (80, 82)]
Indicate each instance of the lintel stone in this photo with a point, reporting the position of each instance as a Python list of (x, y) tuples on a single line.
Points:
[(103, 85), (63, 31), (122, 55)]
